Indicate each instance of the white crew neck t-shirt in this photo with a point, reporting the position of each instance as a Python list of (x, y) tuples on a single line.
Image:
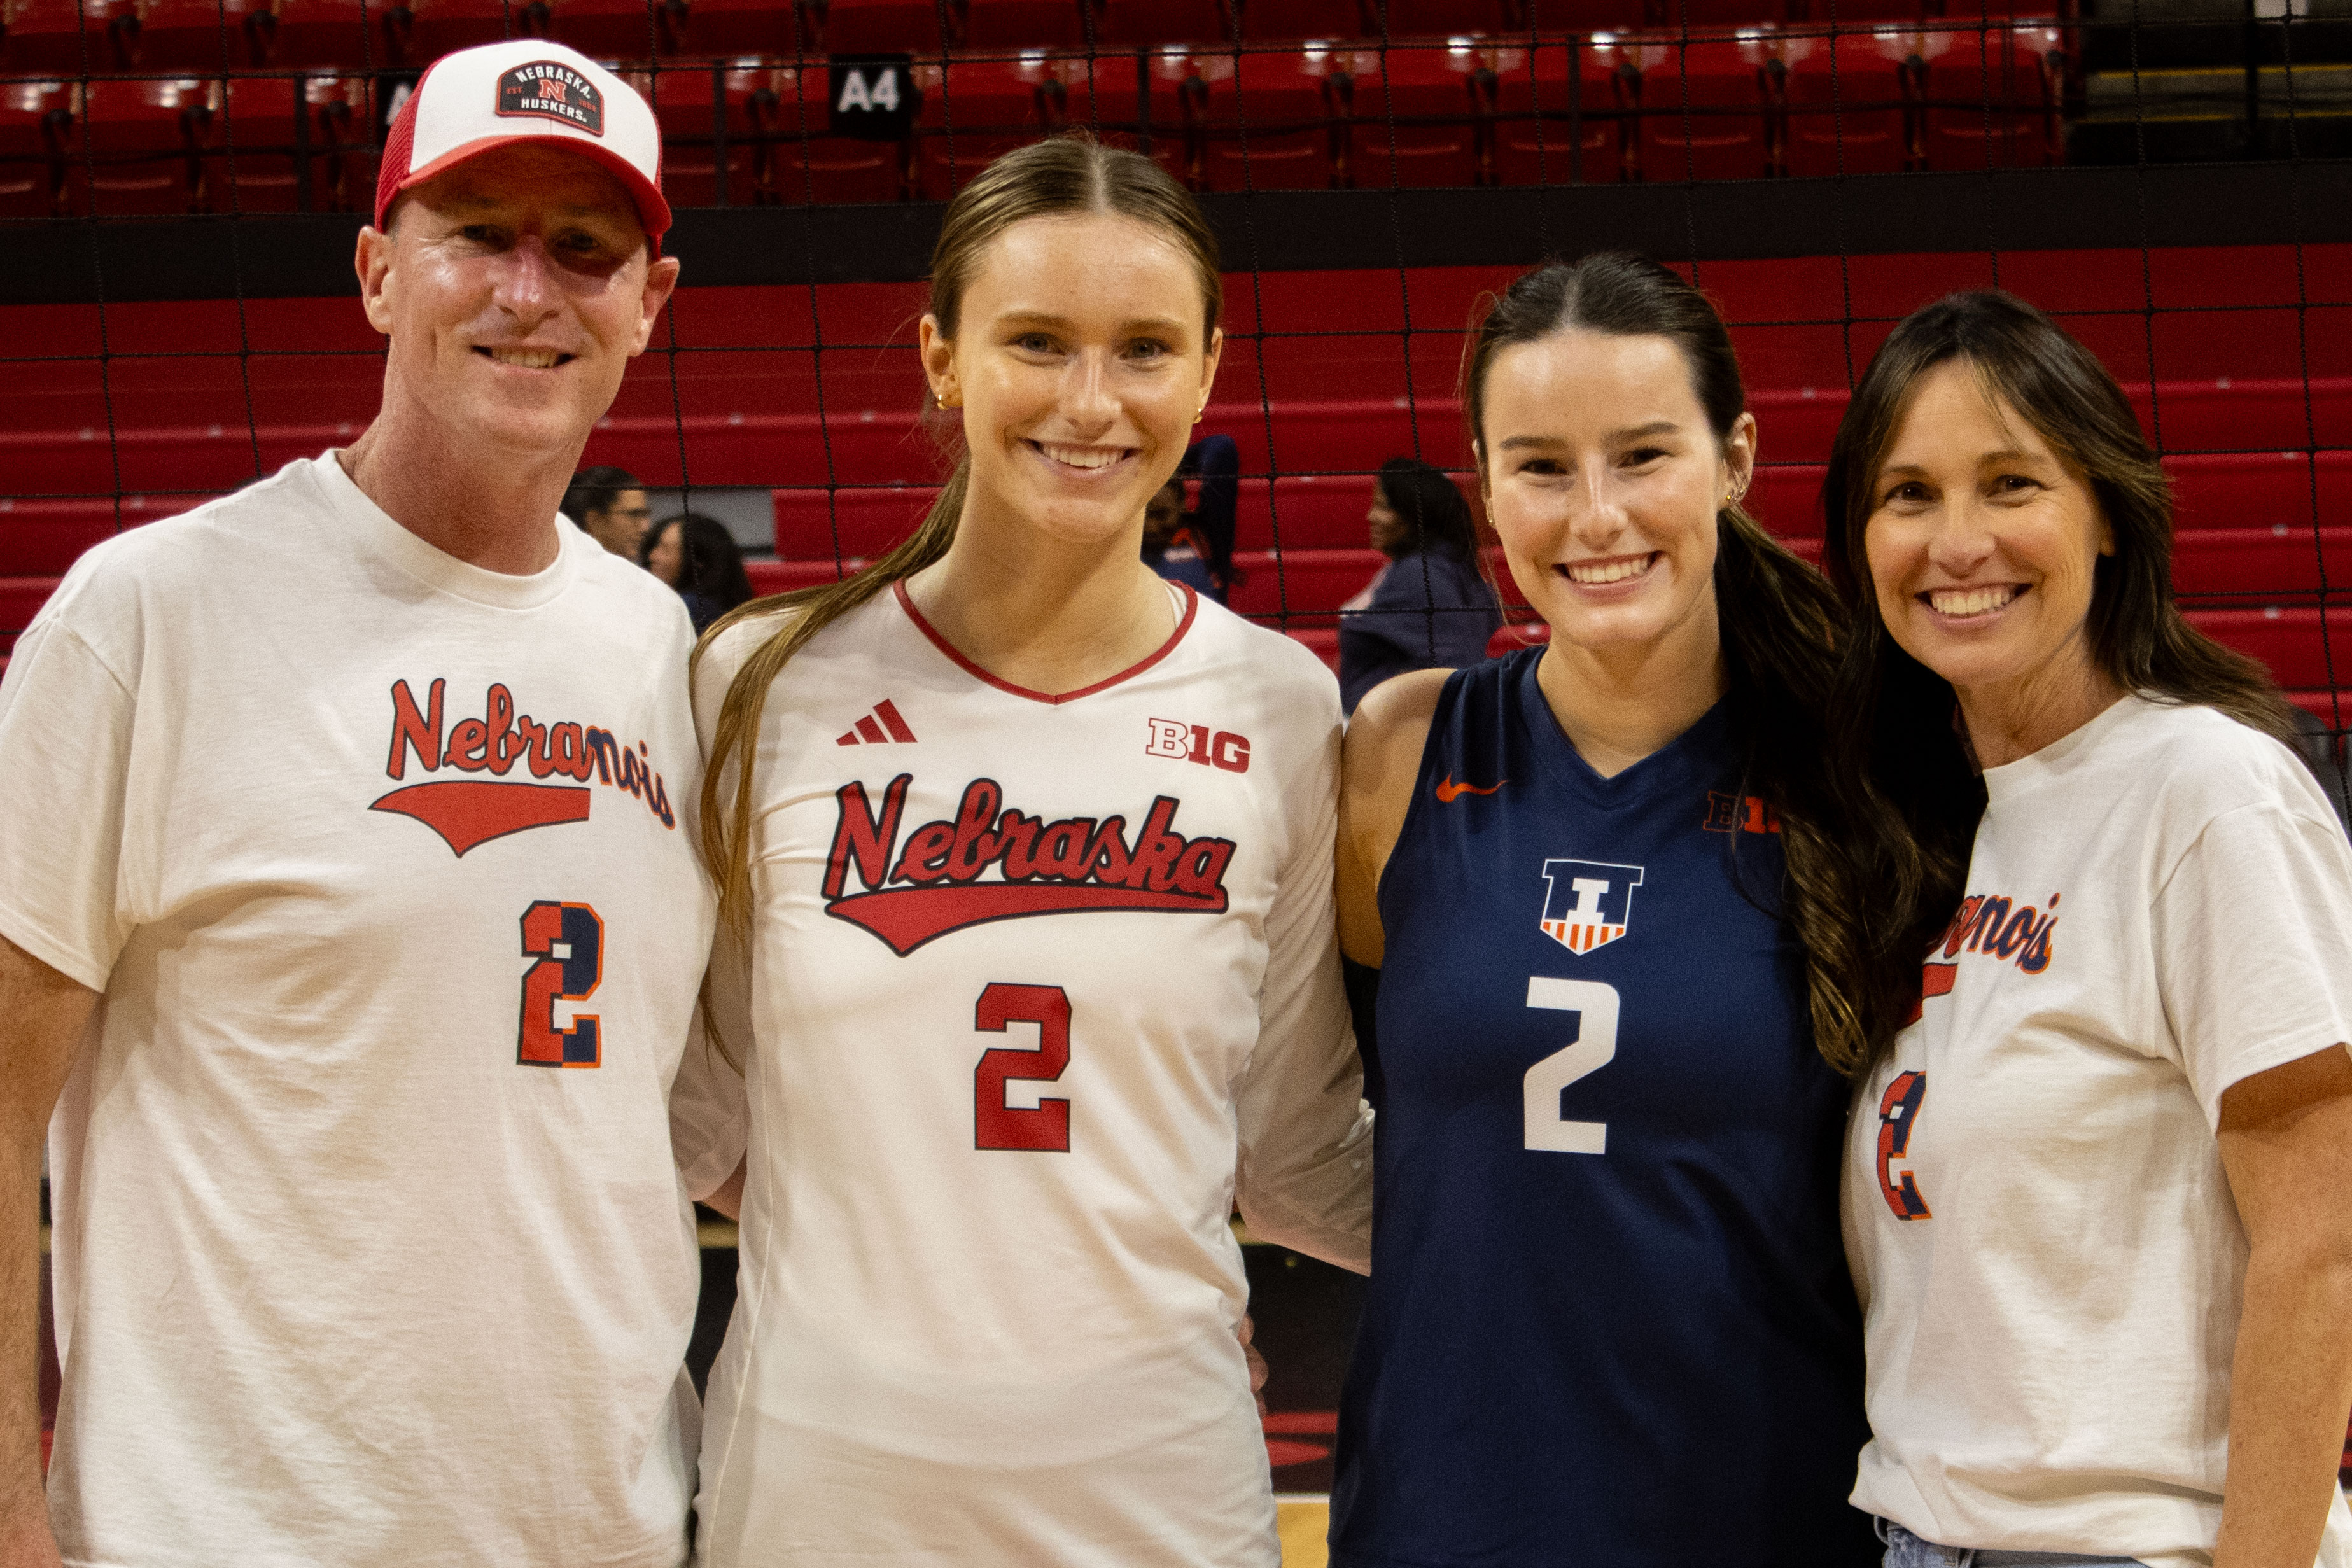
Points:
[(1036, 982), (369, 1245), (2157, 905)]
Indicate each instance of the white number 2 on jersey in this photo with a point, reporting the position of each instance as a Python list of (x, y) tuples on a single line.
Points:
[(1595, 1005)]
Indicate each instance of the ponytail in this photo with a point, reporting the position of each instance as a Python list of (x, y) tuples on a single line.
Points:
[(727, 822)]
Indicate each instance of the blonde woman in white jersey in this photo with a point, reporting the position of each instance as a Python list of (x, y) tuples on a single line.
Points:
[(1032, 867), (2098, 1185)]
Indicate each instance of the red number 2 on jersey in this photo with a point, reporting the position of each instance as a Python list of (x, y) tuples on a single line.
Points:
[(568, 940), (995, 1125)]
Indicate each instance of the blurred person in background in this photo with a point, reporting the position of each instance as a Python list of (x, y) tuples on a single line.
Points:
[(609, 504), (1428, 608), (697, 556), (1196, 546)]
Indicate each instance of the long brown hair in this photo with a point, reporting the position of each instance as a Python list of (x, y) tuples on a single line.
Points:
[(1912, 794), (1778, 621), (1066, 174)]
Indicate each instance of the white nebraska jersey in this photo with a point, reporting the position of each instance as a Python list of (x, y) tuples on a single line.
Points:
[(2052, 1267), (1030, 977), (369, 1246)]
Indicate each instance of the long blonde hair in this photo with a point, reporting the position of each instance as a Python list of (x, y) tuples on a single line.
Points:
[(1066, 174)]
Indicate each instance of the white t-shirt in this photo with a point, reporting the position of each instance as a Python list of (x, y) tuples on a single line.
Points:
[(357, 839), (2157, 905), (1030, 978)]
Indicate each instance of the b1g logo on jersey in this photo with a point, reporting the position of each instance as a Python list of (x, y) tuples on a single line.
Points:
[(553, 91), (1589, 903), (1180, 741), (1739, 814)]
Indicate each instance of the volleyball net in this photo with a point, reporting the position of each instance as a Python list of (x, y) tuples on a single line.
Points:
[(180, 181)]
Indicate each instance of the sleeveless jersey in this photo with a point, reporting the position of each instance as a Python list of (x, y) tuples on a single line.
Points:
[(1029, 977), (1609, 1319)]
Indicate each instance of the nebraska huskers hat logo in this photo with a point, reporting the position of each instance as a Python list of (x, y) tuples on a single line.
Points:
[(553, 91)]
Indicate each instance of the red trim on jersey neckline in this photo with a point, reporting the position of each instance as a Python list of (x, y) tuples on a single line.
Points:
[(1184, 624)]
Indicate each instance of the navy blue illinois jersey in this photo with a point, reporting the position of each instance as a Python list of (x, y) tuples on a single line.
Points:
[(1609, 1319)]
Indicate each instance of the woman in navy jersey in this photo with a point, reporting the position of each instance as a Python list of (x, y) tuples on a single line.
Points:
[(1609, 1319)]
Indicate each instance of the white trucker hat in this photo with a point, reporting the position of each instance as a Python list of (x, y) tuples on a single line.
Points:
[(525, 90)]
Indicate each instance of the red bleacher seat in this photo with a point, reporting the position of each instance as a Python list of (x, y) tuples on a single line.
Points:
[(1536, 140), (1839, 100), (351, 35), (45, 537), (1701, 108), (974, 111), (869, 520), (2277, 564), (688, 101), (427, 29), (1846, 13), (145, 139), (2252, 489), (1309, 583), (1992, 95), (1284, 20), (1786, 498), (2289, 640), (206, 34), (1306, 512), (21, 599), (343, 160), (1677, 19), (1586, 16), (733, 28), (880, 27), (1020, 23), (250, 158), (1257, 122), (1443, 18), (807, 164), (36, 138), (783, 576), (1323, 641), (778, 145), (1160, 21), (627, 30), (67, 37), (1411, 115)]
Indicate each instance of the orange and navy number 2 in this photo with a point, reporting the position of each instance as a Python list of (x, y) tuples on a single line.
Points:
[(568, 940)]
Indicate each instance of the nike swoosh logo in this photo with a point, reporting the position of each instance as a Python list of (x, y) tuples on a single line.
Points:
[(1449, 792)]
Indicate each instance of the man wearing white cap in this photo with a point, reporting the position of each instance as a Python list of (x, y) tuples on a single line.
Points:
[(353, 930)]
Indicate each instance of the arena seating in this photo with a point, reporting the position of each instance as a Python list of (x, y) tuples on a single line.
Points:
[(131, 107), (168, 426)]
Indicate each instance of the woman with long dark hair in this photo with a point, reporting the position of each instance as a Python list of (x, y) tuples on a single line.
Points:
[(2099, 1181), (1610, 1319), (1429, 607), (697, 556), (1029, 855)]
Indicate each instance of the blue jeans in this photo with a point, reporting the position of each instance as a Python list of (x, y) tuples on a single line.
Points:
[(1905, 1550)]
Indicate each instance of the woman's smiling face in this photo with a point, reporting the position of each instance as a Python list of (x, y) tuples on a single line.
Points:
[(1983, 543), (1079, 361), (1603, 479)]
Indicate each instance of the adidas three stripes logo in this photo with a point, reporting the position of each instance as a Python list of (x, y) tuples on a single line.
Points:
[(878, 728)]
